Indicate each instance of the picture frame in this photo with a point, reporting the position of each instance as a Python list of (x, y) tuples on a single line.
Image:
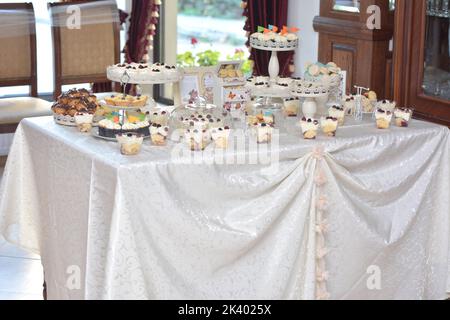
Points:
[(198, 82)]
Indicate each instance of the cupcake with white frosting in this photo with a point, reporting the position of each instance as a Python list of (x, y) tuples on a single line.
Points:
[(284, 83), (261, 81)]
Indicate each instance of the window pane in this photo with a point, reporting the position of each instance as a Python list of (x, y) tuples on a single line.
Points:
[(347, 5), (211, 30), (208, 31), (437, 50)]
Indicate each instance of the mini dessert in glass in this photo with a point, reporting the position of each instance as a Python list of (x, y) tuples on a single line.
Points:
[(329, 126), (84, 121), (130, 143), (250, 106), (309, 128), (197, 139), (220, 137), (264, 132), (337, 112), (159, 134), (349, 105), (159, 117), (386, 105), (291, 107), (402, 117), (268, 117), (383, 118)]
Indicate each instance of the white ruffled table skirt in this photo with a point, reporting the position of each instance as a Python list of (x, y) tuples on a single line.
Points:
[(362, 216)]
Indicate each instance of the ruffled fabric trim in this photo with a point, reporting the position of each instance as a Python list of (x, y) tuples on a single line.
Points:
[(322, 227)]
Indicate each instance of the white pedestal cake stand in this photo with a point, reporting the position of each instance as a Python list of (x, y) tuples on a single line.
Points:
[(314, 104), (270, 97), (149, 83), (274, 63)]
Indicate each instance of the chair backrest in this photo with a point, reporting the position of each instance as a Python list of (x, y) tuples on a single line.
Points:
[(18, 46), (82, 54)]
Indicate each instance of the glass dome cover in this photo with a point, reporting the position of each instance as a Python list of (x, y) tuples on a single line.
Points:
[(200, 115)]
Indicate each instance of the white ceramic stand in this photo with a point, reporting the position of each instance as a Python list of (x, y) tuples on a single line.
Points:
[(314, 104), (272, 95), (274, 66), (309, 108)]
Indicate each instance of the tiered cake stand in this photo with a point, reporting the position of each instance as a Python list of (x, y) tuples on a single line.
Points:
[(272, 98), (126, 79), (274, 63)]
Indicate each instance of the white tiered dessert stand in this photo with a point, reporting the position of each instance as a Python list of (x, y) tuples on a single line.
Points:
[(146, 85), (274, 71)]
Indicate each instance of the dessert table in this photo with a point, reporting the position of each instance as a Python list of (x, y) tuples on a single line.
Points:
[(331, 215)]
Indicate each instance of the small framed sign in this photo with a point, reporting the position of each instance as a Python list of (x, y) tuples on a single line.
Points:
[(197, 82)]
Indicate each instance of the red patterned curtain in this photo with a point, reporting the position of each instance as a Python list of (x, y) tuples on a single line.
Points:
[(143, 21), (262, 13)]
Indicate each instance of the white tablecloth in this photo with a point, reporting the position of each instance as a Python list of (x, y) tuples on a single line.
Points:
[(362, 216)]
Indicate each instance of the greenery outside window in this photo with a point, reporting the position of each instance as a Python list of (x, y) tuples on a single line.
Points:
[(193, 33)]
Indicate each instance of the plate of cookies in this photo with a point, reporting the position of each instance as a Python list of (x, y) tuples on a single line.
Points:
[(73, 102), (230, 71)]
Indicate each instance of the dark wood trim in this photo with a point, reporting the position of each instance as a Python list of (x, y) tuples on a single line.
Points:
[(345, 39), (95, 78), (56, 37), (351, 29), (44, 290), (32, 79), (408, 65), (56, 33), (8, 128), (158, 55), (33, 50), (15, 82)]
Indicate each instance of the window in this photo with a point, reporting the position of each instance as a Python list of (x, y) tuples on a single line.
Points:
[(207, 32), (44, 50)]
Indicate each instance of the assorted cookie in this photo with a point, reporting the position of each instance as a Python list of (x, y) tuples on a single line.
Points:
[(75, 101)]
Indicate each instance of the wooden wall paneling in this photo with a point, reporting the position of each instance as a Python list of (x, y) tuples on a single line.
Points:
[(408, 63), (345, 39), (344, 55)]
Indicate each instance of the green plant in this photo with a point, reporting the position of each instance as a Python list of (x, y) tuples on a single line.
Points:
[(186, 59), (211, 58), (208, 58)]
